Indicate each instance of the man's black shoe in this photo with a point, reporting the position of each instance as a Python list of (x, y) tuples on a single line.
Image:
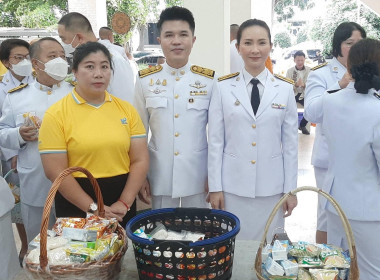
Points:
[(304, 130)]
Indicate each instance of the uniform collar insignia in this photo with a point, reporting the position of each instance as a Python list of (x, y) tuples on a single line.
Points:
[(197, 85)]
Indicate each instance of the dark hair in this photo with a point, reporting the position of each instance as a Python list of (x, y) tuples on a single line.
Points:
[(342, 33), (176, 13), (82, 51), (76, 22), (299, 53), (35, 48), (364, 63), (7, 46), (249, 23)]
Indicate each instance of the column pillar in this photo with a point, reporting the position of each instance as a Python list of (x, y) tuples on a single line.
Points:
[(241, 10), (212, 29), (94, 10)]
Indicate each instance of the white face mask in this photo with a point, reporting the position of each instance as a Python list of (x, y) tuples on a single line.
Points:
[(68, 48), (56, 68), (23, 68)]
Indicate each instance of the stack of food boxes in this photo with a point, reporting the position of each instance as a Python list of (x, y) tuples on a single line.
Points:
[(304, 261)]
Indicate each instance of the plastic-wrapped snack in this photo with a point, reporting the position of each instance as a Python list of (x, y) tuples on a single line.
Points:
[(69, 223), (309, 262), (79, 255), (30, 119), (174, 235), (323, 274), (35, 243), (290, 267), (58, 256), (304, 249), (333, 258), (79, 234), (81, 244), (280, 250), (273, 268), (101, 225), (15, 191), (194, 236), (265, 253), (283, 277), (303, 274), (140, 233)]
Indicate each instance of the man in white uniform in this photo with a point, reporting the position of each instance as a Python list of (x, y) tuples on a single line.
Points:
[(75, 29), (236, 62), (173, 101), (47, 57), (106, 38)]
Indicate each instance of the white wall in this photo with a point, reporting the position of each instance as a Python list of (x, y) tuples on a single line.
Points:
[(94, 10), (241, 10), (212, 25)]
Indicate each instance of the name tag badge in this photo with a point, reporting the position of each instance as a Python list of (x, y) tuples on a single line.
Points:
[(278, 106)]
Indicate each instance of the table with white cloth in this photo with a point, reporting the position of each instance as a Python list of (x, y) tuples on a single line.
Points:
[(243, 268)]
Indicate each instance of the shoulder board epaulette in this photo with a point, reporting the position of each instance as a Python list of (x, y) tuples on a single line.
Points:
[(34, 74), (319, 66), (284, 79), (148, 71), (17, 88), (73, 83), (229, 76), (203, 71)]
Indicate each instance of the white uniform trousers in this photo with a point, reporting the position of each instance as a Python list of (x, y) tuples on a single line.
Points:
[(9, 264), (253, 214), (320, 175), (31, 217), (366, 236), (163, 201)]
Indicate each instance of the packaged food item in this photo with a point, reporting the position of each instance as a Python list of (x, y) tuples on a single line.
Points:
[(79, 234), (323, 274), (141, 233), (280, 250), (81, 244), (30, 119), (58, 256), (194, 236), (309, 262), (304, 249), (333, 257), (273, 268), (159, 232), (69, 223), (174, 235), (290, 267), (15, 191), (265, 253), (303, 274), (101, 225)]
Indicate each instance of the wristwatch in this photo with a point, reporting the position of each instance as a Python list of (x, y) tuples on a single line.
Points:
[(92, 208)]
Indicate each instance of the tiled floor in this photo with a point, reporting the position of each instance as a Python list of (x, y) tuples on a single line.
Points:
[(302, 224)]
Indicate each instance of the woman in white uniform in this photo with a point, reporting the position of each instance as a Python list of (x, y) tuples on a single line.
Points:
[(327, 78), (351, 123), (253, 137)]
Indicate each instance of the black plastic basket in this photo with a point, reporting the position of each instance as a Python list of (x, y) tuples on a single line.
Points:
[(211, 258)]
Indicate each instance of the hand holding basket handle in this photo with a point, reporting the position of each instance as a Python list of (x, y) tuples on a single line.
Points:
[(354, 270), (49, 202)]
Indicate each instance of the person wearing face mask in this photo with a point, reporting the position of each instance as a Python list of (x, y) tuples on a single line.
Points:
[(252, 136), (75, 29), (14, 55), (23, 110), (325, 79)]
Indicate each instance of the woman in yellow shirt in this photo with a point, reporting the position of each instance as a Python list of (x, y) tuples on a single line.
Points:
[(93, 129)]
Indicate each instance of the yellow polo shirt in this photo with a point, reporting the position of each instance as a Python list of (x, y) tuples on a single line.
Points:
[(94, 137)]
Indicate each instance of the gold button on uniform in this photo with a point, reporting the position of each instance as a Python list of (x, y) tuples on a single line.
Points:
[(176, 134), (176, 96), (253, 161), (177, 78), (176, 115), (176, 153), (253, 144), (49, 92), (253, 126)]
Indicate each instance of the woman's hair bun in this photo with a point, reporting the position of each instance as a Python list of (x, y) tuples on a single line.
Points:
[(366, 76)]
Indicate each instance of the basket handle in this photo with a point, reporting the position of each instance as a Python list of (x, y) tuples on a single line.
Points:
[(49, 202), (354, 270)]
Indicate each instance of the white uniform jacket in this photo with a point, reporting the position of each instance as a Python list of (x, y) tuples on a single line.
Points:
[(122, 81), (351, 123), (34, 186), (252, 155), (173, 104), (318, 83), (9, 82)]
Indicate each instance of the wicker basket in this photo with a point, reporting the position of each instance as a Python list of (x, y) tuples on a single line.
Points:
[(211, 258), (108, 268), (354, 270)]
